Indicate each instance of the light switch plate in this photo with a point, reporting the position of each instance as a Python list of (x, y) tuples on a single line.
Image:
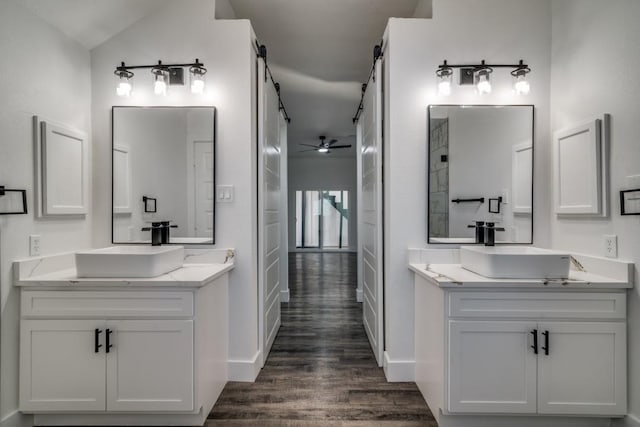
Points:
[(611, 246), (224, 193)]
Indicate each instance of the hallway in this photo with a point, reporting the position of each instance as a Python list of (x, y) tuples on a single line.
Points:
[(321, 371)]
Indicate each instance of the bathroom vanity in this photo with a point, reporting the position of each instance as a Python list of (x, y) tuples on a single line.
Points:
[(526, 352), (122, 351)]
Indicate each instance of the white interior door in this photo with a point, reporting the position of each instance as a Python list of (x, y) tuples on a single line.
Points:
[(150, 366), (371, 217), (204, 191), (269, 212)]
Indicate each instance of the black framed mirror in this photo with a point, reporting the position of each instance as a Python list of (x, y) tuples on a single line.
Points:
[(165, 155), (480, 161)]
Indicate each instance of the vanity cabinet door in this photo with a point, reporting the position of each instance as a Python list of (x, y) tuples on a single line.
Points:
[(60, 367), (492, 367), (150, 366), (584, 372)]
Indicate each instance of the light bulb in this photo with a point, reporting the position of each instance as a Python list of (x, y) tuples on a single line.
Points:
[(483, 85), (444, 87), (124, 87), (323, 150), (197, 72), (521, 85), (160, 85), (197, 86), (444, 74)]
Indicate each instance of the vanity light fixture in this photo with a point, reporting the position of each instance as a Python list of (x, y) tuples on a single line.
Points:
[(480, 75), (444, 74), (125, 86), (520, 83), (164, 75), (197, 73), (160, 79)]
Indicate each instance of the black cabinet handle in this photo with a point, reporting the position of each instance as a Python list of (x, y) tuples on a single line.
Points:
[(546, 343), (535, 341), (108, 340), (96, 340)]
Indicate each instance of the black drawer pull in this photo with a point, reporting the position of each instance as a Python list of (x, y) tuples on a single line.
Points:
[(108, 340), (535, 341), (546, 343), (96, 340)]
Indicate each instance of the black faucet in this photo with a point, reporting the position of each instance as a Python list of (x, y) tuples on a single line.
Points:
[(479, 226), (490, 233), (159, 232)]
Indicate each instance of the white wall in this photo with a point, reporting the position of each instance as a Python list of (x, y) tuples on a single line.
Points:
[(595, 62), (460, 31), (323, 173), (42, 72), (181, 32)]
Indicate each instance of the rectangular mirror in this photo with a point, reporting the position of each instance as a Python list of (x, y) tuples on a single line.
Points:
[(480, 169), (163, 169)]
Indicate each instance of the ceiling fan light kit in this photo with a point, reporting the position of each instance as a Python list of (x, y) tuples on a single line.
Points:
[(324, 147)]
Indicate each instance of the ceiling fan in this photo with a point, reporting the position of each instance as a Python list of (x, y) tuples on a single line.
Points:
[(324, 146)]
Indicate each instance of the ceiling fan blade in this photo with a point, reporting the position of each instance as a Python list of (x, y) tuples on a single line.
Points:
[(309, 145), (304, 151), (333, 141), (340, 146)]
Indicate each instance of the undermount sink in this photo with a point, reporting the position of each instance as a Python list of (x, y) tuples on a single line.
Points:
[(515, 262), (129, 261)]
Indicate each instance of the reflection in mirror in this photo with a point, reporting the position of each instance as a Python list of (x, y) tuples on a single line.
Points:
[(163, 174), (480, 169)]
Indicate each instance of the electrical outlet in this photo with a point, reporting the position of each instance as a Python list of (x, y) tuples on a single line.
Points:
[(611, 246), (34, 245)]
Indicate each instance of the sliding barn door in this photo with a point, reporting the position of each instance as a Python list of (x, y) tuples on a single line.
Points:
[(269, 212), (371, 219)]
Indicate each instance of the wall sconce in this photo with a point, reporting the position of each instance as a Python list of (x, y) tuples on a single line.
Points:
[(480, 76), (164, 75)]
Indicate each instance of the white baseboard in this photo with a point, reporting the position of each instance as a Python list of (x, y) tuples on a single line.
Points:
[(399, 370), (245, 370), (359, 297), (520, 421), (284, 296), (17, 419), (629, 421)]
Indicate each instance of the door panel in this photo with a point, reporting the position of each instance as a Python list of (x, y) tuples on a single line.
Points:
[(371, 214), (584, 372), (492, 367), (269, 211), (59, 368), (204, 191), (150, 366)]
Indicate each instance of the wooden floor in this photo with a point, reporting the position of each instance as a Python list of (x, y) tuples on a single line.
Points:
[(321, 370)]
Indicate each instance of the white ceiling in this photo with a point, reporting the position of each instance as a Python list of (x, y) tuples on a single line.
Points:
[(92, 22), (321, 51)]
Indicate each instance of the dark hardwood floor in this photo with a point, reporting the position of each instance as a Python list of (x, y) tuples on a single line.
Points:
[(321, 370)]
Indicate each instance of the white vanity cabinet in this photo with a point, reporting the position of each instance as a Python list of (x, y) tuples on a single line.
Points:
[(103, 362), (122, 351), (493, 348), (65, 370)]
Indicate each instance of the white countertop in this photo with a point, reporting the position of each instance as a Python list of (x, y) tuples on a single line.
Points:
[(190, 275), (454, 276)]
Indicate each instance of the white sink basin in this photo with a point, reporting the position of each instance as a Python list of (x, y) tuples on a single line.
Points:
[(515, 262), (129, 261)]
